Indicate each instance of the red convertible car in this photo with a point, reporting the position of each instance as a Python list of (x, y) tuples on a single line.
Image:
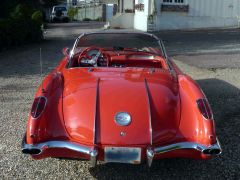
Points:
[(118, 97)]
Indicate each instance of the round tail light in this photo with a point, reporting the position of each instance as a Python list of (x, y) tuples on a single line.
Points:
[(204, 108), (38, 106)]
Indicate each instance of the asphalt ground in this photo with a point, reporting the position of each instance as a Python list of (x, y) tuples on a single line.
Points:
[(201, 54), (204, 48)]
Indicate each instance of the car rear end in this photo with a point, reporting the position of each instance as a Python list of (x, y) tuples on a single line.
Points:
[(59, 13)]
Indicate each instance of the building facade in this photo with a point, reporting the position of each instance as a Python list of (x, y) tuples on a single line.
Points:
[(154, 15), (83, 2), (98, 10)]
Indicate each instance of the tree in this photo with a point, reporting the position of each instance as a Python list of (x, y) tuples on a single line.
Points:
[(6, 7), (72, 12)]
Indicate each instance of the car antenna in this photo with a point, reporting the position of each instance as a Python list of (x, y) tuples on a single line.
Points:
[(41, 71)]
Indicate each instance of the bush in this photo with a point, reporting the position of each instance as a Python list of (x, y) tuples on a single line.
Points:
[(86, 19), (37, 16), (4, 30), (20, 28), (99, 19), (72, 12), (21, 12)]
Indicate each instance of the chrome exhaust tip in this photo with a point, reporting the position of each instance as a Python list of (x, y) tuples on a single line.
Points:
[(212, 151), (32, 151)]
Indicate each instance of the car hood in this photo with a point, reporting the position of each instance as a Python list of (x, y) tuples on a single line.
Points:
[(92, 99)]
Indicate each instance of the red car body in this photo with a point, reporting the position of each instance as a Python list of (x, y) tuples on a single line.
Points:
[(121, 106)]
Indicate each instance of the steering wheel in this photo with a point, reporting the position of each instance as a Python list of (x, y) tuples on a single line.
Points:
[(90, 56)]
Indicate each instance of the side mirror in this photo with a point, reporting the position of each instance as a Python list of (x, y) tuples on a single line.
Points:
[(66, 51)]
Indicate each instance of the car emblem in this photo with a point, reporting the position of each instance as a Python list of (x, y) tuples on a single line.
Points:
[(122, 118)]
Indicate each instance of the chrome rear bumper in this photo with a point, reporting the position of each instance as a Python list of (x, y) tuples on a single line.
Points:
[(37, 149), (214, 149), (92, 152)]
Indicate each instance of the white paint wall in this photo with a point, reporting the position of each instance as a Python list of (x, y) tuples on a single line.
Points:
[(91, 13), (125, 20), (140, 21), (214, 8), (128, 4), (141, 17), (202, 14)]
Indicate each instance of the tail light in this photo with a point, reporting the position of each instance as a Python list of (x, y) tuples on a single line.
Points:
[(204, 108), (38, 106)]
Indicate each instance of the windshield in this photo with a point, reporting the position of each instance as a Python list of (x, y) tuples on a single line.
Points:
[(120, 41), (117, 50)]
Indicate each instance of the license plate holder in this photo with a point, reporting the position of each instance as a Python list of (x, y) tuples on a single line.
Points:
[(122, 155)]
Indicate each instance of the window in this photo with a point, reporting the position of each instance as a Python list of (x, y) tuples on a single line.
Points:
[(174, 6), (173, 1)]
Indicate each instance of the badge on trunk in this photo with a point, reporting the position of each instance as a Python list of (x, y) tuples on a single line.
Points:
[(122, 118)]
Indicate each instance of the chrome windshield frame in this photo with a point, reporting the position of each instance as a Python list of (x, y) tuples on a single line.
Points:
[(159, 41)]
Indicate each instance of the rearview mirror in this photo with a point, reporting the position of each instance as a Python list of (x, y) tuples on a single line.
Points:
[(66, 51)]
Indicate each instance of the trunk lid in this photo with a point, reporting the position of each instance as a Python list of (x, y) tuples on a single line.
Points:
[(92, 100)]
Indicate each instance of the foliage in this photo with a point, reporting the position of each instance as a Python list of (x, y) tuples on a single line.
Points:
[(87, 19), (99, 19), (20, 27), (6, 7), (37, 16), (21, 21), (21, 12), (72, 12)]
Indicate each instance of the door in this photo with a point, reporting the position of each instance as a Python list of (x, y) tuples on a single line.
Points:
[(109, 12)]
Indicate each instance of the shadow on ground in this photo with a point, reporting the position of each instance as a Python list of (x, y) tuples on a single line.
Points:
[(225, 101)]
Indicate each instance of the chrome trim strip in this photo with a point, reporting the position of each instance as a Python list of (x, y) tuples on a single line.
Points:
[(189, 145), (94, 151), (149, 110), (73, 49), (96, 111)]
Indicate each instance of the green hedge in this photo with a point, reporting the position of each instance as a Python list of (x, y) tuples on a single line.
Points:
[(20, 29)]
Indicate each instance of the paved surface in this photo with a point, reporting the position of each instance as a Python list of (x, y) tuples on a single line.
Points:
[(19, 77), (204, 48)]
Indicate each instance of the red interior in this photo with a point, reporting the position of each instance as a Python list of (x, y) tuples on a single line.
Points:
[(125, 59)]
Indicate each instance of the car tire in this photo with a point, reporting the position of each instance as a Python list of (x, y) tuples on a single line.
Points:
[(66, 20)]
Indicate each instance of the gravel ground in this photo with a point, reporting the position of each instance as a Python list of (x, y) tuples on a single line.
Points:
[(19, 77)]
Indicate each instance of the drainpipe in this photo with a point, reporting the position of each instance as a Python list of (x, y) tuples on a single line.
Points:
[(94, 9), (85, 9), (122, 6)]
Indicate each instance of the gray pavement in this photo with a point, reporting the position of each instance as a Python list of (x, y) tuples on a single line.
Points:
[(204, 48)]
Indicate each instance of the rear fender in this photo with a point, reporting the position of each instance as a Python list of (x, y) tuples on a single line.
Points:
[(50, 124), (193, 126)]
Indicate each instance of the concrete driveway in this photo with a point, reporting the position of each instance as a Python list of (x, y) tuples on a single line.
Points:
[(204, 48), (19, 77)]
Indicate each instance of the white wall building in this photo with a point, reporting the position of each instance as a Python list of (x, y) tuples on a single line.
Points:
[(149, 15)]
